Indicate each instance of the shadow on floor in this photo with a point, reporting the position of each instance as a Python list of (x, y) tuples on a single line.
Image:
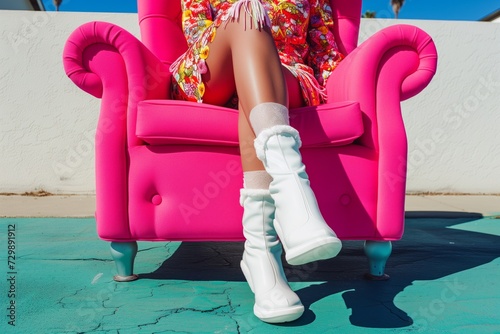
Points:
[(429, 250)]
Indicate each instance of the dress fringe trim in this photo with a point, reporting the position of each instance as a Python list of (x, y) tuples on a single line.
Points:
[(306, 78), (254, 9)]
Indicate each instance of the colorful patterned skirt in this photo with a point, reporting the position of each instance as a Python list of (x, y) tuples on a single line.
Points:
[(187, 70)]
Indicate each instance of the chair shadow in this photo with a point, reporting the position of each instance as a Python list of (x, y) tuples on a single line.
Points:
[(429, 250)]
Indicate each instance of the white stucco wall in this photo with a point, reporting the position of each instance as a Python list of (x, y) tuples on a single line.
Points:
[(453, 124), (46, 122)]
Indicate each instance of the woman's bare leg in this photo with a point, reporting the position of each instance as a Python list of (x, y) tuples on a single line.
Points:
[(244, 58)]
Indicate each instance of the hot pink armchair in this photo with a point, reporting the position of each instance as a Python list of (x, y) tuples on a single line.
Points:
[(170, 170)]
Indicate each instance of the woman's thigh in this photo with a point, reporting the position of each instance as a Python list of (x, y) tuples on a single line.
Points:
[(219, 80)]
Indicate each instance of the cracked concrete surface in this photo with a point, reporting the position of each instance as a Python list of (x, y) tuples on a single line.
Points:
[(444, 278)]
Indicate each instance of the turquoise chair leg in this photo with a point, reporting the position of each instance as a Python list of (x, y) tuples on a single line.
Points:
[(377, 252), (123, 254)]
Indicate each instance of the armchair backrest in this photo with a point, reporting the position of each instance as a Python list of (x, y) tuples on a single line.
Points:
[(161, 29), (347, 17)]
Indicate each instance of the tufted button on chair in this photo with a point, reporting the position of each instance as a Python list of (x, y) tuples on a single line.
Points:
[(170, 170)]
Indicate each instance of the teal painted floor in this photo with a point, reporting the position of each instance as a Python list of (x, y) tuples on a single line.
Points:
[(445, 278)]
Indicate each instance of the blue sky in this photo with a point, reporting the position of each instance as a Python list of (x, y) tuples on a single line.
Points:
[(412, 9)]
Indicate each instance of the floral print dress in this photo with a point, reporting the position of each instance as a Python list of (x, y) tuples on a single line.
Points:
[(302, 31)]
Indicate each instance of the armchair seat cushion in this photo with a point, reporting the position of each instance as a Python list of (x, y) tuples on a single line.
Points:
[(168, 122)]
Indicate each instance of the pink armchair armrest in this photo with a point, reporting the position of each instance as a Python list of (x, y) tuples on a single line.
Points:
[(393, 65), (110, 63)]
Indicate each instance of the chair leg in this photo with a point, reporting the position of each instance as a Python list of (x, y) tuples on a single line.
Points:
[(377, 252), (123, 254)]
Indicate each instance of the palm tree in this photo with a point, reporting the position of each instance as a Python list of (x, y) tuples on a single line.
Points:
[(369, 14), (396, 6), (57, 3)]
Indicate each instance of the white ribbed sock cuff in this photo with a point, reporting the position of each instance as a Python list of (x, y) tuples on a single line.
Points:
[(268, 114), (258, 179)]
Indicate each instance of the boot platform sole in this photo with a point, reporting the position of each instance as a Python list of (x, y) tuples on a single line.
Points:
[(280, 315), (318, 249)]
